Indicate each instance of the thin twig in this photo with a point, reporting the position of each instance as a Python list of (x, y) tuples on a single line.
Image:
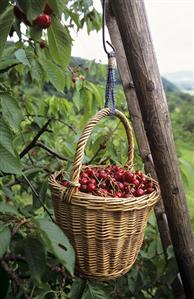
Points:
[(17, 227), (55, 119), (32, 143), (37, 196), (14, 277), (12, 258), (51, 151)]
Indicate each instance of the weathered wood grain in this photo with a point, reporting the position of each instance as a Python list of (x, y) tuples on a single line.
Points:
[(133, 26), (140, 134)]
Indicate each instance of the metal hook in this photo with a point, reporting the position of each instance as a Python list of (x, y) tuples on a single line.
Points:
[(103, 31)]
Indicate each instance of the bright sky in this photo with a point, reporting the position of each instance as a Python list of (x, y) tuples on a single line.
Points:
[(172, 27)]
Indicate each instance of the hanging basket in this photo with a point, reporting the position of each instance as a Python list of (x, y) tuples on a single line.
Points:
[(106, 233)]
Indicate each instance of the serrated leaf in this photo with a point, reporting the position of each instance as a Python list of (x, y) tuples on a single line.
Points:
[(57, 243), (55, 74), (20, 54), (8, 162), (31, 8), (11, 112), (6, 208), (5, 238), (36, 258), (95, 291), (59, 43), (6, 20)]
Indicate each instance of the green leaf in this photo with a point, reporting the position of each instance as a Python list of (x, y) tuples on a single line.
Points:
[(6, 137), (77, 288), (6, 20), (76, 99), (32, 8), (35, 33), (95, 291), (37, 72), (152, 249), (57, 6), (11, 111), (57, 243), (36, 258), (59, 43), (6, 208), (54, 73), (87, 98), (171, 271), (20, 54), (4, 4), (5, 238), (170, 252), (8, 162)]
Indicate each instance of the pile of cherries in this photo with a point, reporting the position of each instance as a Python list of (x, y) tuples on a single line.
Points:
[(114, 181)]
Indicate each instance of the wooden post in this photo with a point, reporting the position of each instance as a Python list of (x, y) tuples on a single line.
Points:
[(140, 134), (133, 26)]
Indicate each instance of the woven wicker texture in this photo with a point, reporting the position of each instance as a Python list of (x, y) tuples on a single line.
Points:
[(106, 233)]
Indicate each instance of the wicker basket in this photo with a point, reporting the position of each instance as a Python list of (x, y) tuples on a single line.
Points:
[(106, 233)]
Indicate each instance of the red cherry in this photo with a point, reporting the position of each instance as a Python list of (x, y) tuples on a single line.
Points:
[(93, 181), (139, 192), (83, 188), (119, 176), (150, 184), (132, 190), (65, 183), (118, 194), (128, 176), (84, 175), (103, 185), (120, 186), (102, 174), (89, 172), (150, 190), (143, 179), (43, 21), (142, 186), (48, 10), (126, 195), (83, 181), (135, 182), (91, 187)]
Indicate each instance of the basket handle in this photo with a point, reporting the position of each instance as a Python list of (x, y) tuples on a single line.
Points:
[(77, 165)]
